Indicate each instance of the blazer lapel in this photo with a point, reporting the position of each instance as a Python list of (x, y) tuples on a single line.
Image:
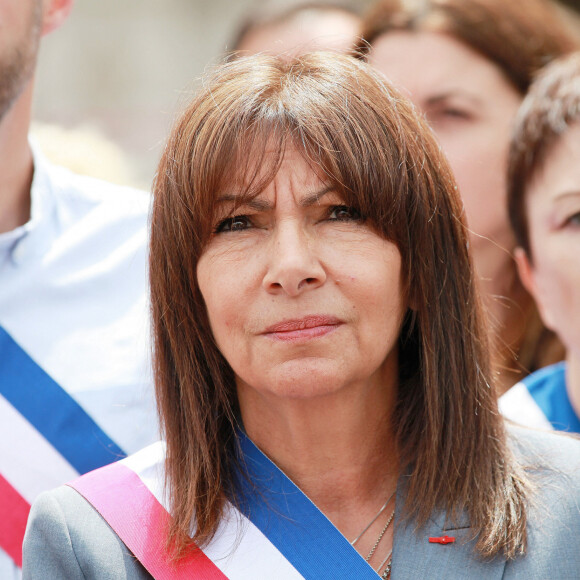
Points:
[(415, 557)]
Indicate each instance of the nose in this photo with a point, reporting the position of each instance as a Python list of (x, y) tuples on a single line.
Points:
[(293, 262)]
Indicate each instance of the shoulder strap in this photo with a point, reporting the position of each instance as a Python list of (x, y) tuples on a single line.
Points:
[(135, 515), (284, 534), (292, 523), (53, 435)]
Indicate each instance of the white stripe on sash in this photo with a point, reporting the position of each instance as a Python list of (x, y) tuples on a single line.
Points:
[(254, 555), (28, 461), (239, 549)]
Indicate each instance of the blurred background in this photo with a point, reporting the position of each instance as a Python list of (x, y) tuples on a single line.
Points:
[(119, 71)]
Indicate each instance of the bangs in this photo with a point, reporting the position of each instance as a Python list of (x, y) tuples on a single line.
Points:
[(355, 132), (341, 132), (244, 169)]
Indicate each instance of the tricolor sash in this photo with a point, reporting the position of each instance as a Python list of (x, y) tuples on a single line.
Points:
[(46, 438), (276, 532)]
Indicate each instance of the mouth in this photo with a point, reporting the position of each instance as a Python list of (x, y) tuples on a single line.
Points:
[(303, 328)]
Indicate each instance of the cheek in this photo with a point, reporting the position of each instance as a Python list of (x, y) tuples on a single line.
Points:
[(477, 160), (560, 287), (380, 294), (229, 283), (557, 279), (479, 167), (227, 323), (217, 292)]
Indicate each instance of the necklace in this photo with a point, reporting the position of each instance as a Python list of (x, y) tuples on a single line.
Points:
[(373, 520), (380, 537), (387, 571), (387, 562)]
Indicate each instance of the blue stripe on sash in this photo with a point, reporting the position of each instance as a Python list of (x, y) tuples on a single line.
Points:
[(298, 529), (52, 411)]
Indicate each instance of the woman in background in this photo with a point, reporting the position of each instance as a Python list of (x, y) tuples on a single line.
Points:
[(544, 210), (467, 64), (322, 373), (289, 28)]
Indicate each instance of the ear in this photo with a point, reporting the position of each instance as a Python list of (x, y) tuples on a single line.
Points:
[(55, 13), (526, 273)]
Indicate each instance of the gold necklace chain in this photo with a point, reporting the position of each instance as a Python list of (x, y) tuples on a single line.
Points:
[(380, 537)]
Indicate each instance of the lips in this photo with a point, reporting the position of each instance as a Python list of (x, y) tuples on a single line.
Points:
[(303, 328)]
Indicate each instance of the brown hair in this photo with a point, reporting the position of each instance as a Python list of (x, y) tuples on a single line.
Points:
[(551, 106), (519, 36), (376, 150)]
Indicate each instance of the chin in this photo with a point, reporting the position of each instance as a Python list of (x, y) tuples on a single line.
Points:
[(306, 389), (303, 381)]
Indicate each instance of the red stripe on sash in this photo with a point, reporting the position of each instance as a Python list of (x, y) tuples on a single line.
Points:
[(14, 511), (136, 516)]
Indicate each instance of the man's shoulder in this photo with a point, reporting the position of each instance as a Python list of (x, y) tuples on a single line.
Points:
[(84, 193), (93, 188)]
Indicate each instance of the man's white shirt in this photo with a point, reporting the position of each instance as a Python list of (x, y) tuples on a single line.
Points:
[(74, 333)]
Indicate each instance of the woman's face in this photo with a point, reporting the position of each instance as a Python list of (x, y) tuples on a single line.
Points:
[(304, 298), (553, 210), (470, 106)]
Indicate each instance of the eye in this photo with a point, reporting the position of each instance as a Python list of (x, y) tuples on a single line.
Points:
[(449, 114), (234, 224), (574, 220), (456, 113), (344, 213)]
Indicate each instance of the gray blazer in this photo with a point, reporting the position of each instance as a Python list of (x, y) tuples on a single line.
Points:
[(67, 539)]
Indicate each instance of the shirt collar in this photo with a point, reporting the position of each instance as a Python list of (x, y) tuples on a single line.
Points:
[(29, 239)]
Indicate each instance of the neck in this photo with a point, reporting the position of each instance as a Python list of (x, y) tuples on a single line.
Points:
[(15, 164), (573, 381), (339, 449), (508, 308)]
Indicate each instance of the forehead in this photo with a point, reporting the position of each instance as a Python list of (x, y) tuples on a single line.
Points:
[(310, 30), (421, 63), (264, 172), (559, 172)]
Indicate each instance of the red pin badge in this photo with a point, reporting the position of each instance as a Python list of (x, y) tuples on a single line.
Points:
[(442, 540)]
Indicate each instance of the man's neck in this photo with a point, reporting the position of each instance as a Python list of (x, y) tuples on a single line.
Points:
[(16, 166)]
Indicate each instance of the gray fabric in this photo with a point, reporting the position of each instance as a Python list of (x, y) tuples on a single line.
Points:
[(553, 531), (67, 539)]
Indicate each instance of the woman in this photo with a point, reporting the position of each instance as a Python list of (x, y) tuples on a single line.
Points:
[(544, 210), (291, 28), (467, 65), (321, 370)]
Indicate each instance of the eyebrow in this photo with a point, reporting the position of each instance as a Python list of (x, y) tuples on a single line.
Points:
[(257, 204), (451, 94), (567, 195), (314, 198)]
